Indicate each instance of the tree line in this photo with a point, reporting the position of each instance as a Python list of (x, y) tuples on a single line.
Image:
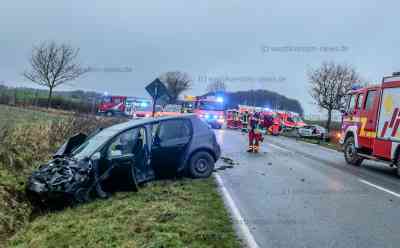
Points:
[(52, 65)]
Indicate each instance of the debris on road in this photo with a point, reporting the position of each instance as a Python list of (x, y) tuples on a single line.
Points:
[(303, 180), (228, 160)]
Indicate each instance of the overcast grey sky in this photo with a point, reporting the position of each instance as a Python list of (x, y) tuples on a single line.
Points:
[(209, 39)]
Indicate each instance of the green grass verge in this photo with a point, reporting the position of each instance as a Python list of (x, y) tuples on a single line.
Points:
[(183, 213), (14, 115)]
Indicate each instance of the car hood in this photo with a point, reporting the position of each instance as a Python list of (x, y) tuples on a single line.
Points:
[(60, 175)]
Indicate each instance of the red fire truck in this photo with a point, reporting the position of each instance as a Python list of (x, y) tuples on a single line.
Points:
[(290, 120), (112, 105), (210, 109), (129, 106), (370, 123), (271, 122)]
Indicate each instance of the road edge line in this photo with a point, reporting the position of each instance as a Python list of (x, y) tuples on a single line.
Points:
[(242, 227), (379, 187)]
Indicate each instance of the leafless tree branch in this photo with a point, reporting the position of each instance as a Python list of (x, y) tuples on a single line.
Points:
[(52, 65)]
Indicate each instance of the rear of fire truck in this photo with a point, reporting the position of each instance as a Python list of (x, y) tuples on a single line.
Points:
[(370, 123)]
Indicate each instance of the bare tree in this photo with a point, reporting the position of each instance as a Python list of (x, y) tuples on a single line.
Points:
[(216, 86), (329, 85), (52, 65), (176, 82)]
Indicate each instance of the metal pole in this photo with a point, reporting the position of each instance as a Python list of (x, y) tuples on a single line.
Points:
[(155, 100)]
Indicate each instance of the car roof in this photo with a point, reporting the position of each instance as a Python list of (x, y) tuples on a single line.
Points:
[(143, 121)]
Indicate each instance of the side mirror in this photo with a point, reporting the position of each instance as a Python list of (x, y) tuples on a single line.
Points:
[(96, 156)]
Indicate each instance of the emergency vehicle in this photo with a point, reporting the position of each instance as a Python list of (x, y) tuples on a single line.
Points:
[(170, 110), (271, 122), (290, 120), (143, 108), (112, 105), (370, 123), (233, 119), (210, 109)]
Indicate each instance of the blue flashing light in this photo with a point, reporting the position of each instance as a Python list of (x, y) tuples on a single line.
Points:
[(143, 104), (220, 99), (207, 116), (356, 87)]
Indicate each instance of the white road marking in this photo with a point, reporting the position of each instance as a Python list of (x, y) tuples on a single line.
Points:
[(278, 147), (244, 229), (379, 187)]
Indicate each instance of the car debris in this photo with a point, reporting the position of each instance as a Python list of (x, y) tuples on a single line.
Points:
[(124, 156), (228, 160)]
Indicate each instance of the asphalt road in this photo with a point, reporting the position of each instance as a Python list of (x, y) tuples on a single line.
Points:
[(294, 194)]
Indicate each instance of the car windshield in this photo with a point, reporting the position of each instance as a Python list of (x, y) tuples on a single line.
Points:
[(203, 105), (92, 144)]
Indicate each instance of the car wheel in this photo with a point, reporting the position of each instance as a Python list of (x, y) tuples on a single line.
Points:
[(350, 152), (201, 165), (82, 195)]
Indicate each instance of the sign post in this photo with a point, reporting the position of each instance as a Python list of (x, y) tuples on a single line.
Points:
[(159, 92)]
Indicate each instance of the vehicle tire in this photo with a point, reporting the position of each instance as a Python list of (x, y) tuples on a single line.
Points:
[(350, 152), (82, 195), (201, 165)]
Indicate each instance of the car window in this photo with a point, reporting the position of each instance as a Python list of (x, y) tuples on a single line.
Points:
[(360, 101), (125, 143), (352, 103), (174, 129), (370, 99)]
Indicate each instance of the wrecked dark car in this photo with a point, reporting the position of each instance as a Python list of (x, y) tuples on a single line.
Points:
[(125, 155)]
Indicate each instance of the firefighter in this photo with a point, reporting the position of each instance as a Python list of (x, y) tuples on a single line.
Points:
[(245, 121), (255, 135)]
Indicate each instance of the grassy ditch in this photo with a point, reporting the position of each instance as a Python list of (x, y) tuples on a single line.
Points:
[(26, 138)]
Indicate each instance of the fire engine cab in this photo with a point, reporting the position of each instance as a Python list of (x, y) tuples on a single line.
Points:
[(370, 123)]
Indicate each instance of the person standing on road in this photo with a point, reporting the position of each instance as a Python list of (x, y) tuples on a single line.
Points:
[(255, 135), (245, 121)]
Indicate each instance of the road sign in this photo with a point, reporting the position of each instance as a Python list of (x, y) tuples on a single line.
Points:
[(159, 92), (157, 89)]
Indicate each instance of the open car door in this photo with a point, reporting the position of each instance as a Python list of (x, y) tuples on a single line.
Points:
[(127, 161)]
